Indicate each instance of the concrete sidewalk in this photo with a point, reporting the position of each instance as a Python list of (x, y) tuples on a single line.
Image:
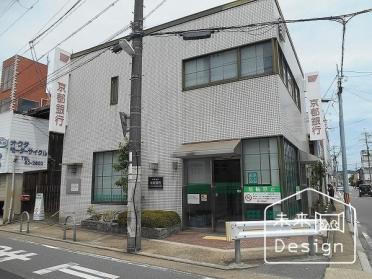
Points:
[(189, 246), (361, 268)]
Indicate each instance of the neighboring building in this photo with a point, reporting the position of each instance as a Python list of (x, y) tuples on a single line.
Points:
[(366, 168), (23, 84), (23, 148), (223, 121)]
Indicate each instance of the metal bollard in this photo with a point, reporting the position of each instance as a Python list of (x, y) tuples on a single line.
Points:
[(73, 228), (311, 245), (237, 251), (28, 222)]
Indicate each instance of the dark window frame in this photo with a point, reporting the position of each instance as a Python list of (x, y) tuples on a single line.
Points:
[(93, 201), (239, 75), (114, 92), (287, 77)]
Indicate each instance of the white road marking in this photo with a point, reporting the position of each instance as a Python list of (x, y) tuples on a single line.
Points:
[(7, 255), (78, 271), (117, 260), (95, 272), (51, 247), (53, 268)]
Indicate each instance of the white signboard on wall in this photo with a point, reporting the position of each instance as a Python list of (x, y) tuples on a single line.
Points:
[(59, 92), (23, 143), (314, 107), (193, 199)]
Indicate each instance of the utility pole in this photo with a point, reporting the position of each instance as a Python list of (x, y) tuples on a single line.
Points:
[(344, 20), (134, 185), (366, 137), (340, 74)]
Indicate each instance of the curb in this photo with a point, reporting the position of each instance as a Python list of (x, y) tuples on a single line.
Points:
[(363, 259), (144, 254)]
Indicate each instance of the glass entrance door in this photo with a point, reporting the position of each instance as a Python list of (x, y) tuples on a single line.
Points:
[(227, 192)]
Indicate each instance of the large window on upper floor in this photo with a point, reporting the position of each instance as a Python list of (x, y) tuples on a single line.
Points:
[(234, 64), (257, 59), (288, 79)]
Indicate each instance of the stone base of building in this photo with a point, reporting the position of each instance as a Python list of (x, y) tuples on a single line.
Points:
[(111, 227)]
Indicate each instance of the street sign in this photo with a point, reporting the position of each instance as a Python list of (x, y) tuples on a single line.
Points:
[(39, 207), (155, 183), (76, 270)]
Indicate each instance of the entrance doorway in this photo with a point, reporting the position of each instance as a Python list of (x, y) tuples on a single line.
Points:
[(228, 196)]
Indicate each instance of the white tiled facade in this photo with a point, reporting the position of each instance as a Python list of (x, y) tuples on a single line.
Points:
[(256, 107)]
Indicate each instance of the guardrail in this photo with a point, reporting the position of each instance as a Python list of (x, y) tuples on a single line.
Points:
[(73, 228), (28, 222), (235, 231)]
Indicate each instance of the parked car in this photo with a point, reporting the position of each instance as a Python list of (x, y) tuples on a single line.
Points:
[(365, 189)]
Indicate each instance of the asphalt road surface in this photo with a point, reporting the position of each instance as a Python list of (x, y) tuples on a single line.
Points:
[(29, 260), (363, 207)]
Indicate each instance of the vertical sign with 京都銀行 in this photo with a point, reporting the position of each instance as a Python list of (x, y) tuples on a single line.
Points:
[(59, 91), (314, 108)]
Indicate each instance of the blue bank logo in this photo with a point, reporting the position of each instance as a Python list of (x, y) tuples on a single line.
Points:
[(3, 142)]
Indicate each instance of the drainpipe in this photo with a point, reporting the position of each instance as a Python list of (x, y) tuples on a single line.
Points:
[(10, 212)]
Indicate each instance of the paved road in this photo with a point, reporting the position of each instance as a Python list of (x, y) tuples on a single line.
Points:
[(363, 206), (29, 260)]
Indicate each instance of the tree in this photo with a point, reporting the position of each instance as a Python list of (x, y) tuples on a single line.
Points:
[(352, 179), (317, 174), (122, 165)]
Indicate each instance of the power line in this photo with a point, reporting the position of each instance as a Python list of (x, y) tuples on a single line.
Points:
[(71, 35), (18, 19), (10, 5), (58, 71), (338, 18), (41, 29), (56, 22)]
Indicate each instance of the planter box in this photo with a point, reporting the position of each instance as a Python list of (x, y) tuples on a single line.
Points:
[(154, 233), (160, 233)]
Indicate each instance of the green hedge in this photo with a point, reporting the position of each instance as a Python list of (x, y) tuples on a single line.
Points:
[(153, 219)]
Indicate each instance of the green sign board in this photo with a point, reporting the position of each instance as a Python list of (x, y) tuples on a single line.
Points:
[(261, 194)]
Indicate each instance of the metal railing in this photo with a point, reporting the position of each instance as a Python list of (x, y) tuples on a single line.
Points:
[(73, 228), (28, 222), (261, 229)]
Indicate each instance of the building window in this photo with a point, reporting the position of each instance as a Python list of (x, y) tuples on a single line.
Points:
[(25, 105), (114, 90), (291, 176), (288, 80), (105, 176), (261, 161), (224, 65), (254, 60), (257, 59), (4, 105), (7, 77), (197, 72)]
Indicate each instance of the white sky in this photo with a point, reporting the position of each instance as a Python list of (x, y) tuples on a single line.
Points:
[(317, 44)]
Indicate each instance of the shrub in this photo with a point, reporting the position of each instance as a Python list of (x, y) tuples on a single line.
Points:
[(109, 215), (153, 218), (122, 218), (159, 219), (94, 215)]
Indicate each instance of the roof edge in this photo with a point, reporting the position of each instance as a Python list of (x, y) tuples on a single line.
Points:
[(169, 24)]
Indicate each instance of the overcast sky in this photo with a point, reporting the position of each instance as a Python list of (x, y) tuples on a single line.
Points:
[(318, 44)]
